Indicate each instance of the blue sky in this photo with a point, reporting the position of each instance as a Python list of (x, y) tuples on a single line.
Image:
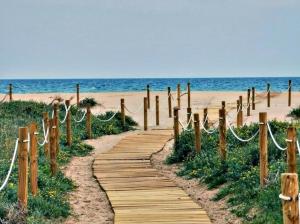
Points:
[(142, 38)]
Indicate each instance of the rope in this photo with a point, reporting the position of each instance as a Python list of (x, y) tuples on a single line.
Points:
[(46, 133), (170, 94), (183, 94), (78, 121), (211, 131), (276, 144), (298, 147), (134, 112), (11, 166), (110, 117), (67, 110), (239, 138)]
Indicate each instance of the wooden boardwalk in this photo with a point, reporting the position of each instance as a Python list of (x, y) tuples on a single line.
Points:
[(137, 192)]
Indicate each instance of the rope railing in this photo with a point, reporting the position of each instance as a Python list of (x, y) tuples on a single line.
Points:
[(46, 133), (134, 112), (211, 131), (66, 113), (11, 166), (2, 100), (274, 140), (81, 119), (109, 119), (239, 138)]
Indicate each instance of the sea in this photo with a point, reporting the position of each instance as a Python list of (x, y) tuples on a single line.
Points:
[(278, 84)]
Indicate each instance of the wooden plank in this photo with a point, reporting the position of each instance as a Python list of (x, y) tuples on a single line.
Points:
[(137, 192)]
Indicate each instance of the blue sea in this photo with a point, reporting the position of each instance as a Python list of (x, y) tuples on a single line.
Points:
[(278, 84)]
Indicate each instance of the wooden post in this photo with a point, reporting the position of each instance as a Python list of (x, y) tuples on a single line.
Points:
[(68, 123), (269, 94), (157, 109), (189, 115), (290, 189), (145, 114), (189, 94), (238, 114), (77, 90), (33, 159), (123, 111), (176, 123), (253, 98), (148, 96), (223, 104), (178, 95), (88, 122), (55, 108), (263, 148), (290, 93), (169, 102), (46, 123), (53, 139), (248, 102), (222, 133), (197, 133), (23, 167), (10, 92), (205, 117), (291, 150)]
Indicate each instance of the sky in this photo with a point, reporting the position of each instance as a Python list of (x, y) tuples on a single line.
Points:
[(142, 38)]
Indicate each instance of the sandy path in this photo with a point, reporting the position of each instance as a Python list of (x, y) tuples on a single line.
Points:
[(89, 202), (216, 210)]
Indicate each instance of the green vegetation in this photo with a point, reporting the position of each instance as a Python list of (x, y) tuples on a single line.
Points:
[(295, 113), (88, 102), (238, 177), (50, 205)]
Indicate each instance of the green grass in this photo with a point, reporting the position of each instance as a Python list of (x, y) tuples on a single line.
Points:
[(238, 177), (51, 204), (295, 113)]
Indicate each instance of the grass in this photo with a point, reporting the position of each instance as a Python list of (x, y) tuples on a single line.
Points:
[(295, 113), (238, 177), (51, 204)]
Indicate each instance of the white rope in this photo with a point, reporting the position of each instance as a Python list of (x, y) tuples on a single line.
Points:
[(67, 110), (52, 115), (170, 94), (276, 144), (211, 131), (110, 117), (46, 133), (239, 138), (298, 147), (134, 112), (78, 121), (11, 166)]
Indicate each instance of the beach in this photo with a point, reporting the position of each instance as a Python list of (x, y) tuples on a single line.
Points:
[(110, 101)]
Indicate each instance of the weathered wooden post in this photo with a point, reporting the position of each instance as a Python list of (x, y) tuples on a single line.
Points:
[(123, 111), (289, 195), (157, 109), (223, 104), (205, 118), (237, 114), (290, 93), (53, 139), (263, 148), (169, 102), (197, 133), (68, 123), (77, 93), (89, 122), (46, 125), (248, 102), (55, 108), (222, 133), (253, 98), (176, 123), (189, 94), (145, 114), (291, 150), (269, 94), (189, 116), (178, 95), (10, 92), (148, 96), (33, 158), (240, 112), (23, 167)]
